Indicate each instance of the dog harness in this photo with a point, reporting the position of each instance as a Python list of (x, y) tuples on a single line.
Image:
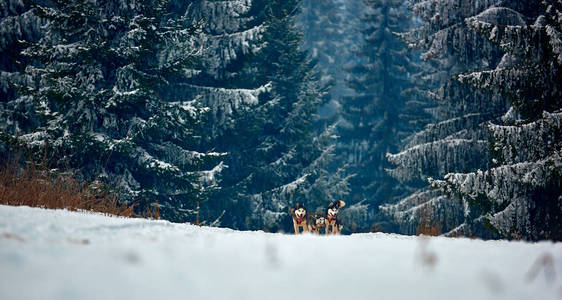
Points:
[(299, 220)]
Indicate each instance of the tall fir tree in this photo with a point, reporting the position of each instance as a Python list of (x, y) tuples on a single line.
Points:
[(290, 159), (262, 96), (518, 196), (370, 125), (462, 143), (457, 138), (329, 37), (19, 26), (98, 82)]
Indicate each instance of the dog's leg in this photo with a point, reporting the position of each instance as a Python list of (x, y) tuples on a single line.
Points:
[(312, 229), (296, 227)]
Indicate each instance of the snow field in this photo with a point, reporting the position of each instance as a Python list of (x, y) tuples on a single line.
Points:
[(57, 254)]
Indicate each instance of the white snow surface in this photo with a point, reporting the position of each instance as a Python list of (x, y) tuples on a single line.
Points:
[(58, 254)]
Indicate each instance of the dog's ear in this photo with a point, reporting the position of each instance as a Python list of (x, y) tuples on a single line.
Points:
[(298, 205), (331, 204), (342, 204)]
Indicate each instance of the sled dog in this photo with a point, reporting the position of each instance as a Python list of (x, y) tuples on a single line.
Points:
[(316, 222), (333, 225), (299, 218)]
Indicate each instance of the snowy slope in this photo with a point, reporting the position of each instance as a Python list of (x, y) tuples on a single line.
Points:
[(56, 254)]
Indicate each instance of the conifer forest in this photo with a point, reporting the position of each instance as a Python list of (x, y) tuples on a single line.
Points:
[(439, 115)]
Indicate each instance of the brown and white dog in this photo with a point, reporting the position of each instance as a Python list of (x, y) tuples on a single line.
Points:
[(300, 219), (316, 222), (333, 225)]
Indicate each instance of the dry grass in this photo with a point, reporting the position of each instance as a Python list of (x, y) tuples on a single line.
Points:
[(36, 186), (152, 212)]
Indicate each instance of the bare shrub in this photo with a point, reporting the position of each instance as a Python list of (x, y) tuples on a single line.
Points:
[(35, 185), (152, 212)]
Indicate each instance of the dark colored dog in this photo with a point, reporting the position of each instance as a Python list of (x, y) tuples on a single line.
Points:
[(316, 222), (333, 225)]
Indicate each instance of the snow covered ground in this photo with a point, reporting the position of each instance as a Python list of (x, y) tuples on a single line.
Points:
[(56, 254)]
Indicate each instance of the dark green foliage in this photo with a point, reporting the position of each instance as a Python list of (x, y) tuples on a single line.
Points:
[(371, 124), (457, 136), (330, 34), (273, 156), (100, 79), (531, 80)]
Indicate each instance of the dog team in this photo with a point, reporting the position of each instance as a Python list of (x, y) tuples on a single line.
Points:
[(315, 223)]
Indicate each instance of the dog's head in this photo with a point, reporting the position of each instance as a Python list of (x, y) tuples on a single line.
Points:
[(299, 212), (319, 221), (334, 208)]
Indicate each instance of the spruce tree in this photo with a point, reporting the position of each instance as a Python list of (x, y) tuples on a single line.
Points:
[(263, 97), (289, 159), (98, 90), (465, 152), (456, 139), (221, 83), (519, 195), (370, 125), (329, 35), (19, 26)]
